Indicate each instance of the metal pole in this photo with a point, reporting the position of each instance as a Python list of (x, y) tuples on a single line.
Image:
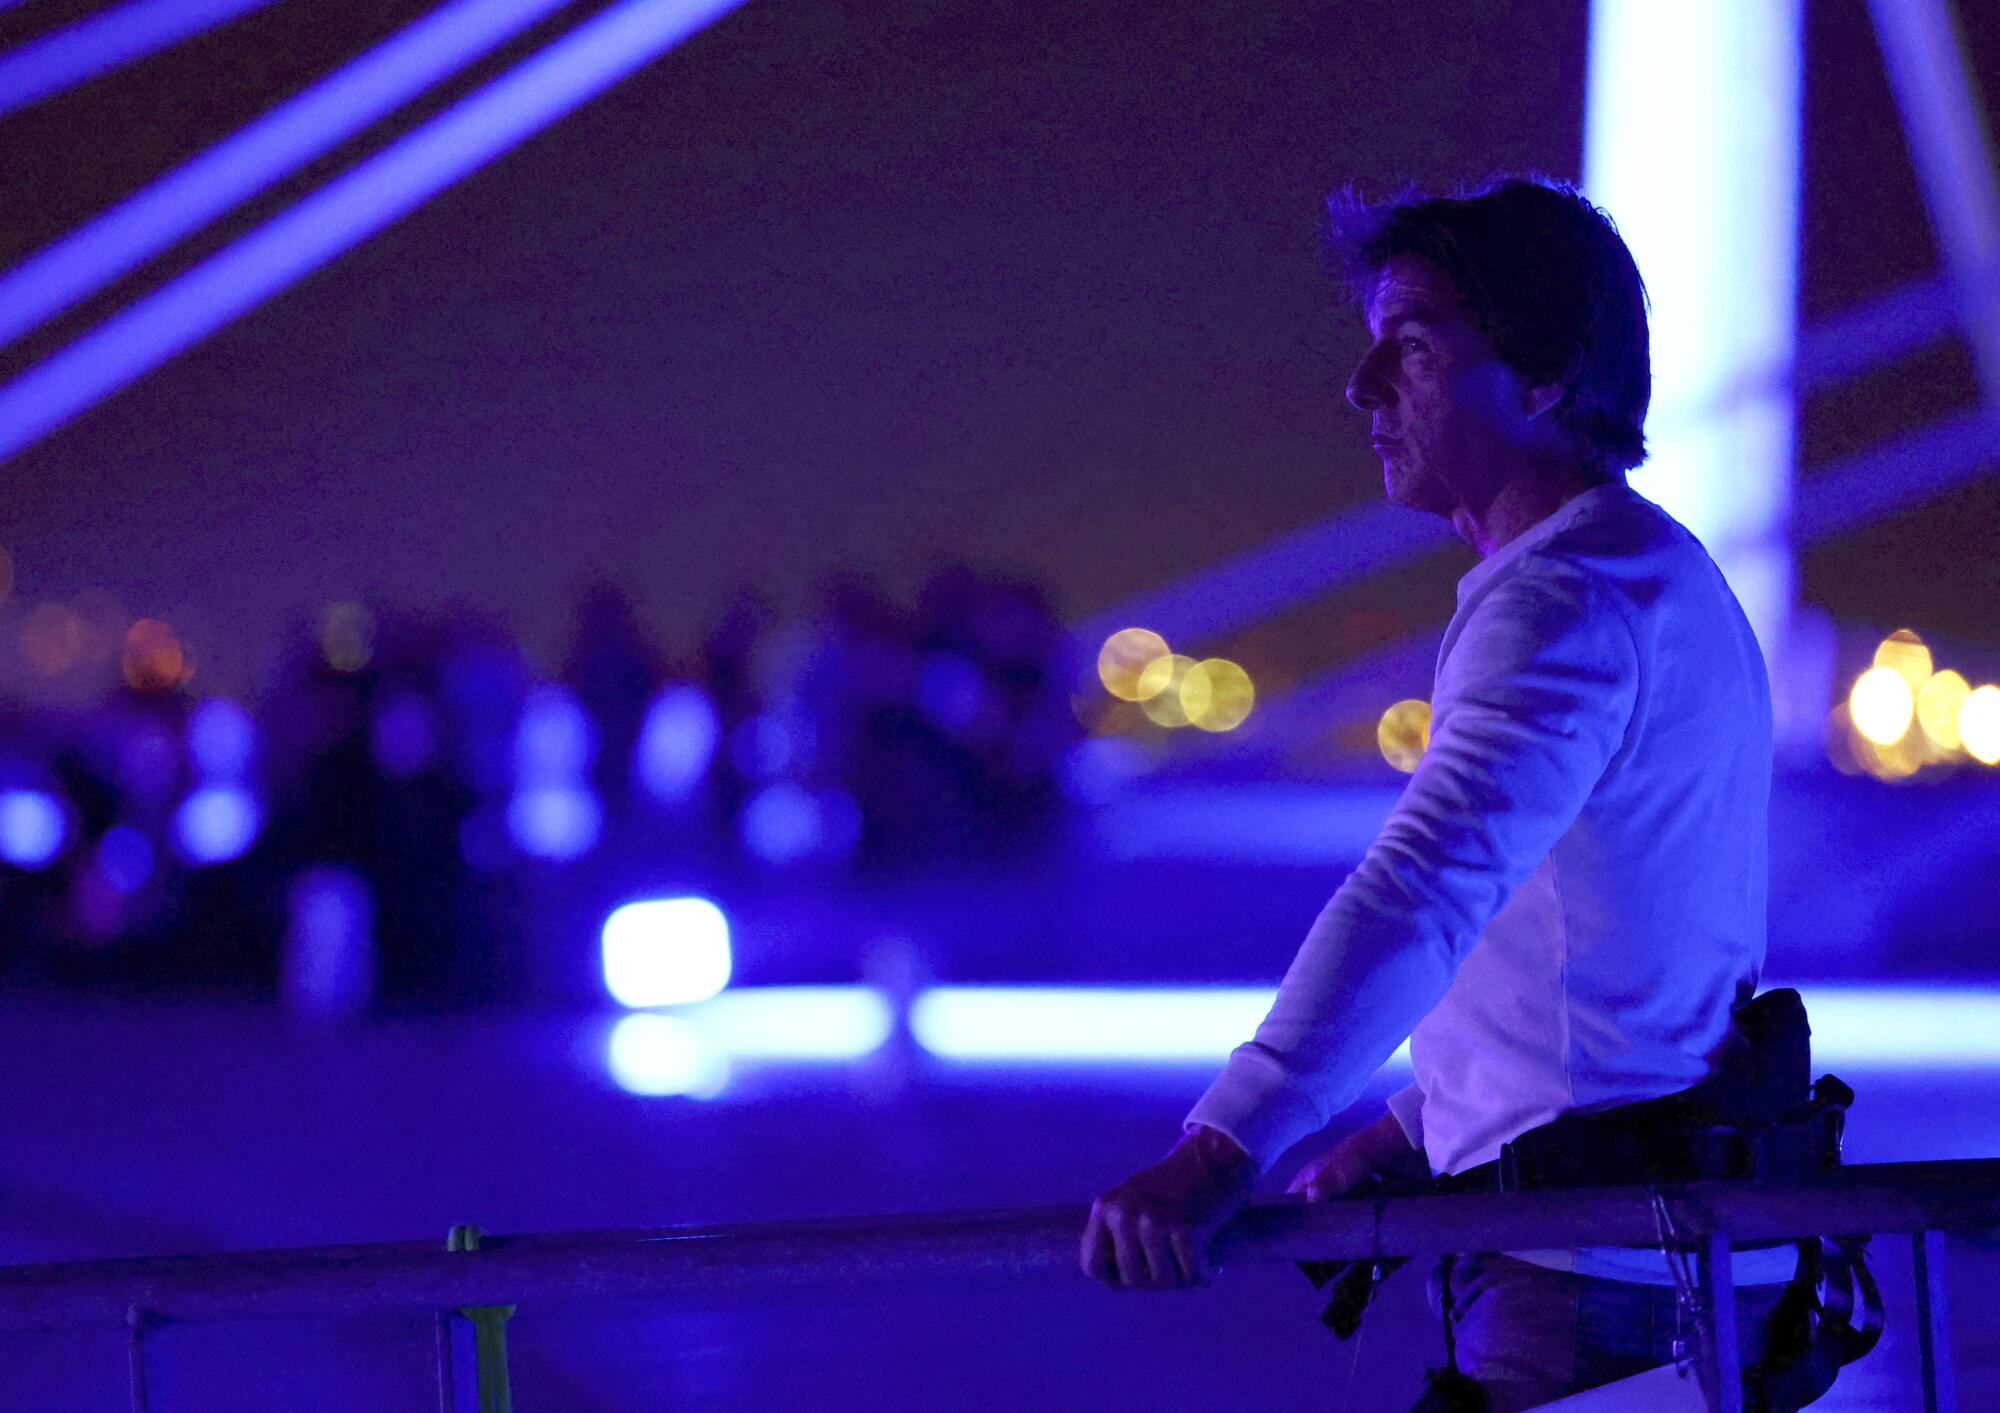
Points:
[(1721, 1364), (137, 1321), (447, 1373), (1934, 1324), (473, 1341)]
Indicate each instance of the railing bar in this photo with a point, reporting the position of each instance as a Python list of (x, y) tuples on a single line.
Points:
[(1934, 1323), (1885, 1198), (1720, 1361)]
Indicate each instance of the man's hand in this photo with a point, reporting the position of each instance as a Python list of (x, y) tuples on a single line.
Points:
[(1151, 1232), (1352, 1161)]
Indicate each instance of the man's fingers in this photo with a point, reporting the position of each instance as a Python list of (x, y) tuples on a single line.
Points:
[(1133, 1272), (1162, 1270), (1096, 1254), (1188, 1252)]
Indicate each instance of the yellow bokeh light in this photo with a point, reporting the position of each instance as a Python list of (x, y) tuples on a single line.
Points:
[(347, 636), (1895, 762), (1979, 725), (1161, 685), (155, 660), (1938, 704), (1404, 732), (1123, 660), (1882, 705), (1904, 653), (1217, 694)]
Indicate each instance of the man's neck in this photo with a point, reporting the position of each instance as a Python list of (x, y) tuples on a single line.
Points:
[(1519, 504)]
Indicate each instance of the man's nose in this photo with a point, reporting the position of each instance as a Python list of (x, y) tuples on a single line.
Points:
[(1364, 386)]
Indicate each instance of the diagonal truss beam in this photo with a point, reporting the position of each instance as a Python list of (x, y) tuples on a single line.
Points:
[(1954, 157), (44, 67), (271, 148), (346, 211)]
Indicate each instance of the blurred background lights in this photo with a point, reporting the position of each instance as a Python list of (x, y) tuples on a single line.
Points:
[(661, 1056), (1938, 703), (1882, 705), (221, 739), (553, 743), (32, 828), (797, 1022), (1086, 1023), (1979, 725), (1124, 658), (1217, 695), (1160, 687), (327, 966), (677, 743), (155, 658), (1404, 733), (52, 639), (1904, 653), (125, 858), (556, 822), (784, 823), (665, 952), (215, 824), (347, 636)]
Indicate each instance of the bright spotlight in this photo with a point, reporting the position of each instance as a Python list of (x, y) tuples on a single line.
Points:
[(677, 742), (221, 739), (554, 741), (32, 828), (1979, 725), (665, 952), (1904, 652), (656, 1056), (1217, 695), (1160, 687), (216, 824), (1938, 703), (1882, 705), (1404, 733), (555, 822), (1125, 657)]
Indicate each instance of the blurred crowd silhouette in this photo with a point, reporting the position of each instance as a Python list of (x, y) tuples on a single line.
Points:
[(412, 819)]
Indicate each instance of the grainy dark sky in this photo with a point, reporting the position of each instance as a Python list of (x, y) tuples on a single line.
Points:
[(874, 284)]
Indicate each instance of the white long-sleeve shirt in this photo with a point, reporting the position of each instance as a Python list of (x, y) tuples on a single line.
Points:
[(1568, 898)]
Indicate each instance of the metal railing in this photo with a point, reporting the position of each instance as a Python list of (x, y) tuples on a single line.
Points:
[(470, 1287)]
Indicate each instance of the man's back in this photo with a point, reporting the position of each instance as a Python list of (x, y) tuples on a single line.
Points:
[(1609, 973)]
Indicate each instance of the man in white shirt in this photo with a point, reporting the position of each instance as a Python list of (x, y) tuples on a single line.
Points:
[(1568, 899)]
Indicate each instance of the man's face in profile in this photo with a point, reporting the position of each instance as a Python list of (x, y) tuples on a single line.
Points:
[(1447, 417)]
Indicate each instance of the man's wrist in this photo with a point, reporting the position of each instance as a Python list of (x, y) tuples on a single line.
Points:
[(1218, 1151)]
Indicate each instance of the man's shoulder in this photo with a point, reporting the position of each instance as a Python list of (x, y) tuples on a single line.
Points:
[(1626, 552)]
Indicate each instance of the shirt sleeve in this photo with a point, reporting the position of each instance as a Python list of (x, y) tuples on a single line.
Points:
[(1533, 700), (1407, 1104)]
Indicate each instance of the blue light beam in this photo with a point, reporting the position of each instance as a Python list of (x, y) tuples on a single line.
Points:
[(274, 146), (345, 212), (77, 53), (1691, 142)]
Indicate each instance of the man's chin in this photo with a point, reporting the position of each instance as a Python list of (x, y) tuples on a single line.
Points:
[(1421, 496)]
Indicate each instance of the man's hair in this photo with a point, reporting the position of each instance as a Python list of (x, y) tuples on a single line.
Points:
[(1547, 278)]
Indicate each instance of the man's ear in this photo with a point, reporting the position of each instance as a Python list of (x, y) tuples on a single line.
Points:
[(1538, 398)]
